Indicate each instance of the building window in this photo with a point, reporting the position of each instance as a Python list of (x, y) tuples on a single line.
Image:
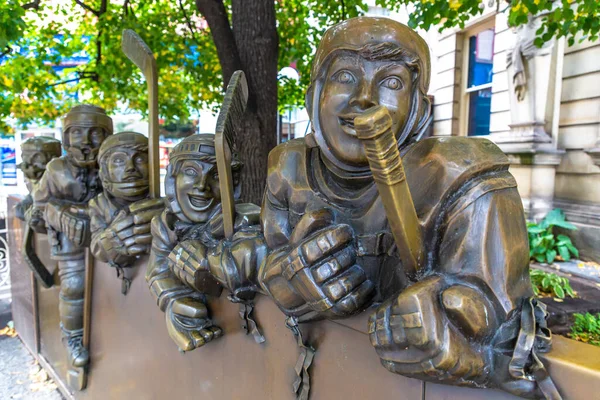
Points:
[(478, 90)]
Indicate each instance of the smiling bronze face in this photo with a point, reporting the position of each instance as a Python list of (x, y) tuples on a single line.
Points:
[(352, 86), (197, 189)]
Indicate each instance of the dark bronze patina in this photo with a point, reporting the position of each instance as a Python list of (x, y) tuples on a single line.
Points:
[(120, 216), (361, 212), (60, 202), (191, 256), (36, 153)]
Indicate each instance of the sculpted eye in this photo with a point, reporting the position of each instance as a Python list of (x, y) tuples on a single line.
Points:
[(393, 83), (139, 160), (215, 176), (344, 77), (190, 172), (118, 160)]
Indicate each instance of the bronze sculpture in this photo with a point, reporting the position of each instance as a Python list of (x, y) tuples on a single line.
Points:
[(190, 256), (120, 216), (60, 205), (36, 153), (453, 282)]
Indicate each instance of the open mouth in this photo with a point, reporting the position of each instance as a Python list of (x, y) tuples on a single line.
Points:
[(131, 178), (347, 124), (200, 203)]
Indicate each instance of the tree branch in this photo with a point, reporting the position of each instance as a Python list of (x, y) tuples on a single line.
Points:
[(216, 16), (34, 4), (87, 8), (7, 50), (188, 21)]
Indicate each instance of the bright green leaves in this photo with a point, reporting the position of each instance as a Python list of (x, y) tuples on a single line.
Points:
[(544, 247), (586, 328), (190, 73), (549, 284)]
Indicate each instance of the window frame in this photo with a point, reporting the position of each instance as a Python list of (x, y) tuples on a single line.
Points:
[(488, 23)]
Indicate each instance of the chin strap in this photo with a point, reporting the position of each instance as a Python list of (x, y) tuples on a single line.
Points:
[(249, 323), (301, 385), (533, 337), (125, 282)]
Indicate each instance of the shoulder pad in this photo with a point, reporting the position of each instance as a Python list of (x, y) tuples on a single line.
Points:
[(437, 167)]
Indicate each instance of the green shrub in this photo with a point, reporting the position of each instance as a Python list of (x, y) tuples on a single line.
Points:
[(547, 283), (543, 245), (586, 328)]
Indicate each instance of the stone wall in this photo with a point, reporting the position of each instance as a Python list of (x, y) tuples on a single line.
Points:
[(564, 171)]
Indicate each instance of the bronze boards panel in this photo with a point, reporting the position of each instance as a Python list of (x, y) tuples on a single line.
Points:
[(51, 347), (132, 355), (23, 308)]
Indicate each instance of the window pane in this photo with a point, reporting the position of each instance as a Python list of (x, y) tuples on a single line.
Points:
[(481, 56), (479, 112)]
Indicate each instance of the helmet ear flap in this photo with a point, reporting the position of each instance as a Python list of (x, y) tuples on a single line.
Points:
[(66, 142), (425, 116)]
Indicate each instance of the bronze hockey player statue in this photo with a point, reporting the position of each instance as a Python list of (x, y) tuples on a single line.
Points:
[(36, 153), (61, 197), (190, 257), (120, 216), (362, 212)]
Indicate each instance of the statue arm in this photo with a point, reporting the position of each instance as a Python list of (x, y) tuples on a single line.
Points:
[(97, 227), (163, 284), (446, 324), (41, 195), (485, 245), (485, 254), (186, 313)]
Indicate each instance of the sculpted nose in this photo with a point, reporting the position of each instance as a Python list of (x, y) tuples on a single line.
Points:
[(201, 182), (129, 166), (363, 97)]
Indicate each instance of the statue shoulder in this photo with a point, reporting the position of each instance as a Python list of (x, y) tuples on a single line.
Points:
[(287, 154), (456, 156), (287, 163), (438, 167), (56, 167)]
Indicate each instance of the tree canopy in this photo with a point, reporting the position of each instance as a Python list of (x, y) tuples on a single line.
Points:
[(54, 54)]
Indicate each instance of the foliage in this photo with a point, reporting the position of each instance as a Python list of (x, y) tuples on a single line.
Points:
[(566, 18), (39, 36), (586, 328), (543, 245), (550, 284)]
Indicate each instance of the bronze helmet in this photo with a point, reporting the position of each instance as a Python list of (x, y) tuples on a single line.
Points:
[(195, 147), (123, 190), (354, 35), (84, 116), (45, 147)]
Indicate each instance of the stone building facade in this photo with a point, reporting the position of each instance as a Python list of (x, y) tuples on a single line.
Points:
[(546, 119)]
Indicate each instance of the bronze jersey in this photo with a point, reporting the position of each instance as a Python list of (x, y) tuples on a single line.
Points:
[(67, 182), (461, 190)]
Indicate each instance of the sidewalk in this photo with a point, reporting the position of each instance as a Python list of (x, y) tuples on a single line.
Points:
[(20, 375)]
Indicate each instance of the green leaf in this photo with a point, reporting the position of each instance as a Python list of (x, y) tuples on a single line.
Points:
[(535, 229), (562, 240), (540, 258), (569, 290), (564, 253), (560, 293), (550, 256), (573, 250)]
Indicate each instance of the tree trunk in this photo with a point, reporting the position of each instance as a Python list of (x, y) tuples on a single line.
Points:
[(256, 51), (255, 32)]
